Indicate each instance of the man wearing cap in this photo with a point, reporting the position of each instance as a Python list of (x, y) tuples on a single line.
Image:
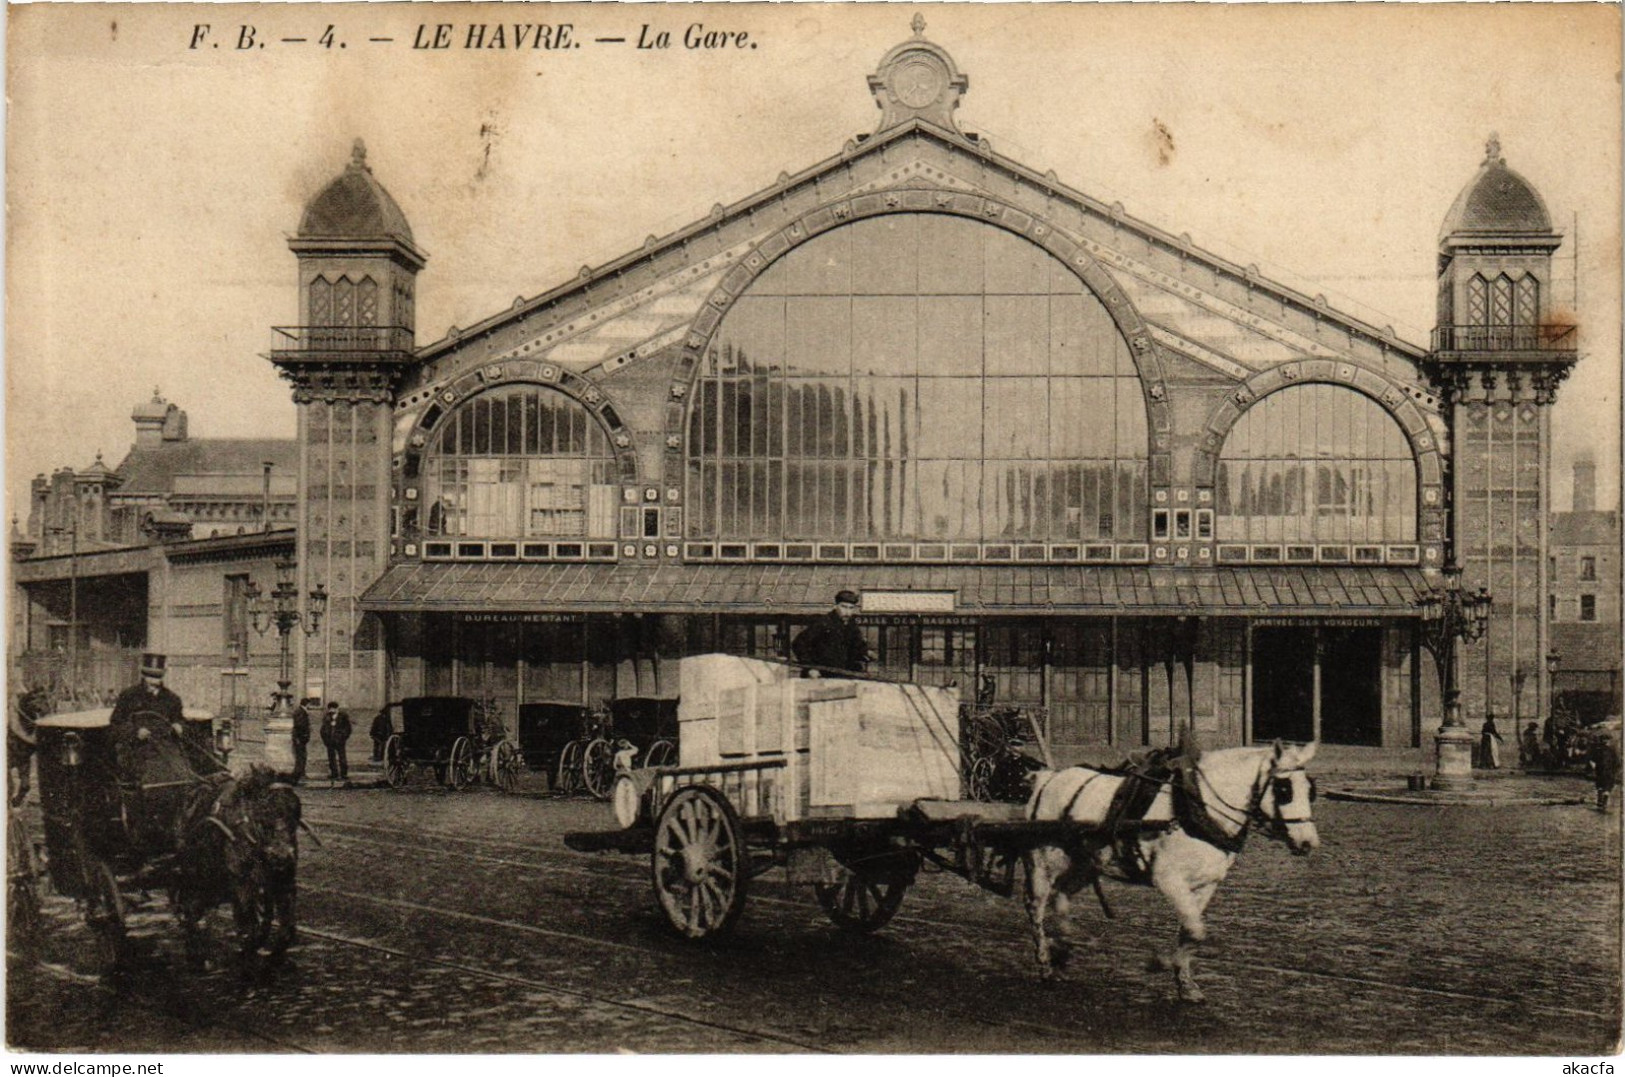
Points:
[(833, 642), (335, 735)]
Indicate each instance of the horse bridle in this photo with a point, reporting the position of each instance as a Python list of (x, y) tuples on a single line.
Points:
[(1279, 782)]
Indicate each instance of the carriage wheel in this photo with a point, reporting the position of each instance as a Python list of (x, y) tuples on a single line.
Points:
[(700, 863), (861, 903), (598, 768), (394, 762), (979, 780), (569, 778), (104, 914), (505, 767), (460, 767), (662, 753), (22, 888)]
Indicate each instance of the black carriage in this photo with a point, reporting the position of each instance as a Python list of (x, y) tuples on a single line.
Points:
[(109, 834), (551, 737), (634, 732), (460, 739)]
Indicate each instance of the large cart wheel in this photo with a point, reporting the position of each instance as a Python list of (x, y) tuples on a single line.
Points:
[(569, 776), (662, 753), (505, 765), (863, 902), (598, 768), (104, 914), (394, 761), (700, 864), (460, 765), (22, 888)]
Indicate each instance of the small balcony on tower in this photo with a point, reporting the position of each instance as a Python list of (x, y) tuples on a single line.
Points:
[(341, 343), (1504, 343)]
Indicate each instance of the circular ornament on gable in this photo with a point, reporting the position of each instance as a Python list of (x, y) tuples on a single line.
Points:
[(918, 83)]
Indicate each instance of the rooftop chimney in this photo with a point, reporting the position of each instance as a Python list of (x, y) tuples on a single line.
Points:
[(1585, 485)]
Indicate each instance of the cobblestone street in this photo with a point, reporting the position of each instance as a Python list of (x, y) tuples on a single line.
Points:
[(437, 922)]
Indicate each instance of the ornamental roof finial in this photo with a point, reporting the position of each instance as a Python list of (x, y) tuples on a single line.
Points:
[(918, 25), (1492, 148), (358, 155)]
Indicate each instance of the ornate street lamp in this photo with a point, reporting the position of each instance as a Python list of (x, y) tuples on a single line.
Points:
[(281, 609), (1452, 616)]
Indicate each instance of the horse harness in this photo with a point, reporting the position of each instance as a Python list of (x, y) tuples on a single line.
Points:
[(1125, 825)]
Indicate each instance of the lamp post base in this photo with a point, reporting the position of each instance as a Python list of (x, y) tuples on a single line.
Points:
[(279, 732), (1453, 747)]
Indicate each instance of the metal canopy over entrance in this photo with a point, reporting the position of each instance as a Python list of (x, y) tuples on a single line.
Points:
[(1318, 591)]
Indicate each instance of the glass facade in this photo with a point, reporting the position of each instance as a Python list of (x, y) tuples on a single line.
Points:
[(517, 462), (1316, 463), (918, 376)]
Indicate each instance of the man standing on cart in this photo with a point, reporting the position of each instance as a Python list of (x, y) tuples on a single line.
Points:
[(833, 642)]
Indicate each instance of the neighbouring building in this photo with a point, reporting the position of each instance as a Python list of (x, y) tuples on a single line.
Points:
[(1583, 602), (152, 554)]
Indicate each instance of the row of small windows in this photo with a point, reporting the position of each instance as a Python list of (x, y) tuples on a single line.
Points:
[(1503, 301), (344, 302)]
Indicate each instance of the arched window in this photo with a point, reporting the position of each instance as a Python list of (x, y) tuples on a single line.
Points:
[(517, 462), (1501, 301), (1478, 301), (1528, 302), (918, 376), (1316, 463), (321, 302)]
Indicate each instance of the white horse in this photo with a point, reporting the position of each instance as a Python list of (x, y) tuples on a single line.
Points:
[(1189, 837)]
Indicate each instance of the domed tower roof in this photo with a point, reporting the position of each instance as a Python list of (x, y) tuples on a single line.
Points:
[(354, 206), (1497, 201)]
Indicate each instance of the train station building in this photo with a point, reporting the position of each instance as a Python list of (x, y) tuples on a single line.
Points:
[(1131, 482)]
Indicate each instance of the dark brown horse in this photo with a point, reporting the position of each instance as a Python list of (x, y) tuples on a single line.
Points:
[(239, 845)]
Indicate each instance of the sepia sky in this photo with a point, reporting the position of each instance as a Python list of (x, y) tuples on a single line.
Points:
[(151, 187)]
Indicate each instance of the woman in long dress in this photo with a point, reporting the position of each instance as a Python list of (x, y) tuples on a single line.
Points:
[(1489, 745)]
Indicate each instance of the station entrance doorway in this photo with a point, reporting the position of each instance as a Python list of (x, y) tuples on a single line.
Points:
[(1318, 683)]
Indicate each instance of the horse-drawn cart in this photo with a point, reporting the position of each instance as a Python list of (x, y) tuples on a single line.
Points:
[(163, 815), (854, 787), (460, 739)]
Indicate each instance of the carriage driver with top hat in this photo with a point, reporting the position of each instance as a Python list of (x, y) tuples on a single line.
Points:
[(147, 730)]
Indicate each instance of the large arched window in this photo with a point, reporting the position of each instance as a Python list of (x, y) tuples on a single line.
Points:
[(918, 376), (517, 462), (1316, 463)]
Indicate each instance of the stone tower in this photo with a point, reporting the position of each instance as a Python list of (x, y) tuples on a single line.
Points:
[(346, 358), (1501, 347)]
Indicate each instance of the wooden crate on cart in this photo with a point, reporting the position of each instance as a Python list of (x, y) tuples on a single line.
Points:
[(833, 747)]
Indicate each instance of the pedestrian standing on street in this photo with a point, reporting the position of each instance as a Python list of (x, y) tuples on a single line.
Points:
[(833, 642), (301, 739), (335, 735), (382, 729), (1605, 765), (1489, 745), (1529, 751)]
